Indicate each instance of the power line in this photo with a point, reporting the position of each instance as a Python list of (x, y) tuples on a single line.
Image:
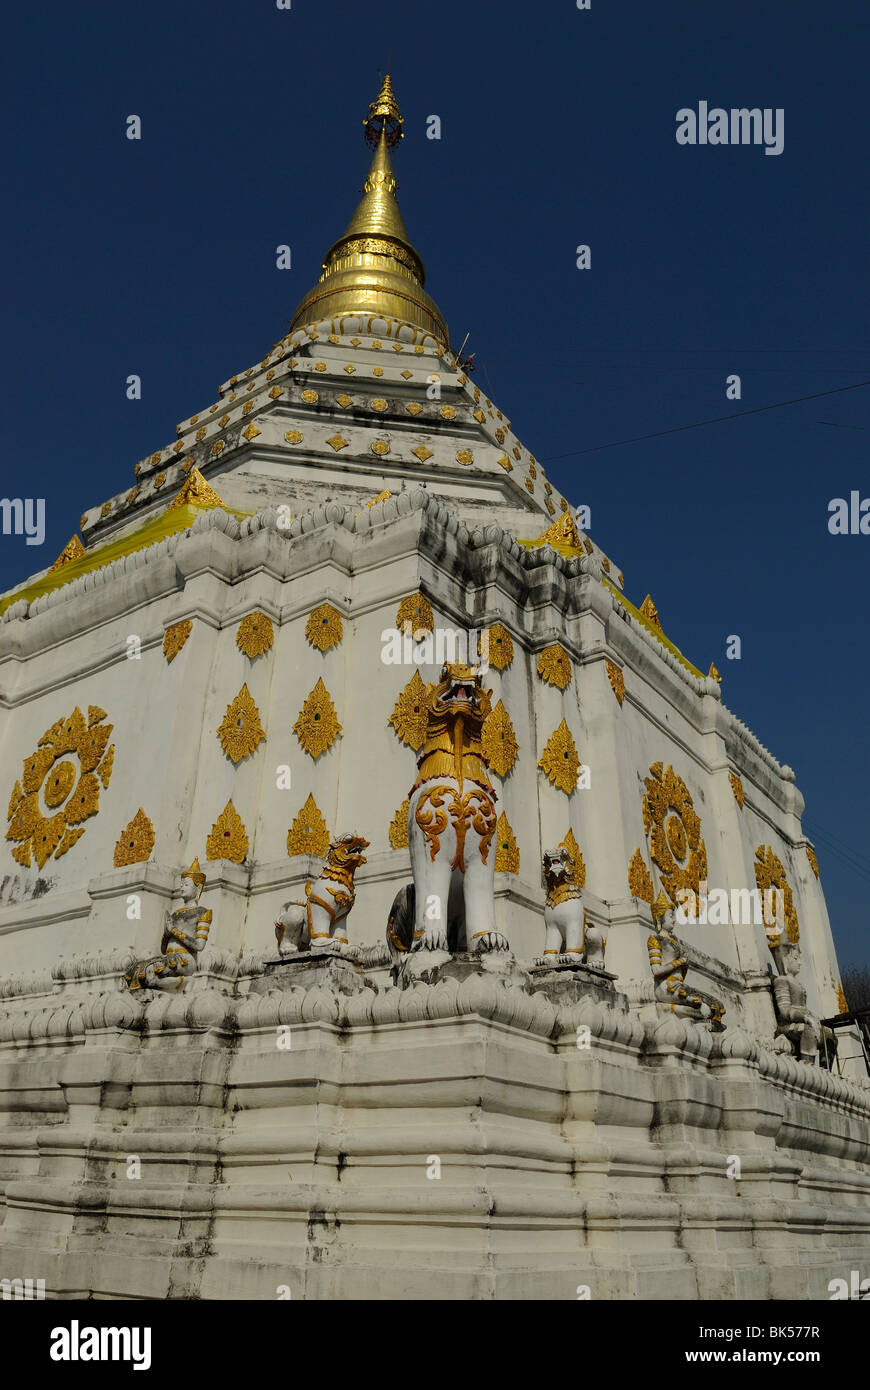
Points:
[(718, 420)]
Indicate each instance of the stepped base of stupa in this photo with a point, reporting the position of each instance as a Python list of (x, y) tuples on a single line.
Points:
[(315, 1130)]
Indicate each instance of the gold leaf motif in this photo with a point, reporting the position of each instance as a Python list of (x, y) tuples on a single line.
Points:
[(218, 448), (500, 435), (407, 375), (448, 412), (570, 844), (676, 846), (324, 627), (175, 637), (498, 741), (320, 366), (84, 802), (247, 407), (414, 616), (413, 408), (530, 487), (344, 400), (293, 437), (159, 480), (554, 666), (309, 397), (769, 873), (381, 497), (71, 791), (376, 343), (74, 550), (462, 379), (317, 725), (517, 452), (46, 837), (308, 833), (92, 745), (200, 434), (349, 369), (380, 446), (104, 771), (500, 647), (422, 453), (337, 441), (479, 416), (377, 371), (275, 392), (196, 491), (842, 1001), (135, 842), (70, 837), (227, 838), (713, 673), (507, 854), (255, 634), (83, 520), (814, 863), (240, 731), (640, 885), (379, 404), (465, 456), (548, 503), (409, 713), (737, 788), (251, 432), (560, 759), (398, 832), (506, 463), (617, 680), (650, 612)]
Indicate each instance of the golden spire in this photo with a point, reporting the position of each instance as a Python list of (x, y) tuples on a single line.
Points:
[(373, 269)]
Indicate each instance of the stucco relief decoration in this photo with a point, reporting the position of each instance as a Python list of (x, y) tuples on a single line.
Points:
[(640, 885), (228, 838), (324, 628), (317, 725), (499, 741), (174, 639), (60, 787), (617, 680), (240, 731), (560, 759), (415, 617), (398, 832), (501, 647), (507, 854), (814, 863), (308, 833), (135, 841), (737, 788), (255, 634), (554, 666), (409, 713), (673, 829), (769, 873)]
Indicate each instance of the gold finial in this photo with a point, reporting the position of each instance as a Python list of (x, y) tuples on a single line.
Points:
[(198, 492), (373, 270), (713, 673), (383, 114)]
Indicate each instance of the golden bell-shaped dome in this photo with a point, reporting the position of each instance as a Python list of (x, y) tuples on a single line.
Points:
[(373, 269)]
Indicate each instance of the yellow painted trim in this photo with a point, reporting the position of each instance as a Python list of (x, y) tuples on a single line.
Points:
[(170, 521)]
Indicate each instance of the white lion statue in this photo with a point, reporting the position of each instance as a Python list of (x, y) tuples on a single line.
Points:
[(567, 931), (451, 822), (318, 923)]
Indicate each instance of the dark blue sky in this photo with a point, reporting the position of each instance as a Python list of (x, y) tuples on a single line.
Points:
[(558, 128)]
